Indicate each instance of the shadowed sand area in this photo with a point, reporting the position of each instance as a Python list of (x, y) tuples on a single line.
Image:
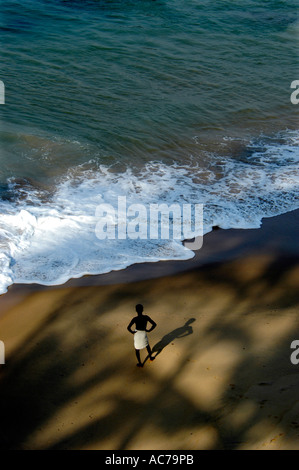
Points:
[(222, 377)]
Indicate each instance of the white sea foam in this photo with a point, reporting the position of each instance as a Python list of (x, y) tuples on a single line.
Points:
[(51, 242)]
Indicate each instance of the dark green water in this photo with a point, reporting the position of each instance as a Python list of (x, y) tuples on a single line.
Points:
[(156, 100)]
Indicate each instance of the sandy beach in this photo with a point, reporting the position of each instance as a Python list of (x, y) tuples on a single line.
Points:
[(222, 377)]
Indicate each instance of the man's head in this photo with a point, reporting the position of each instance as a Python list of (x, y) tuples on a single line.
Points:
[(139, 309)]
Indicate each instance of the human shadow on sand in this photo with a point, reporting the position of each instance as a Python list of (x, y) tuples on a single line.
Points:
[(180, 332)]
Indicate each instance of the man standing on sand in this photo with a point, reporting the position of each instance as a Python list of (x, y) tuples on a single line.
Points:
[(140, 336)]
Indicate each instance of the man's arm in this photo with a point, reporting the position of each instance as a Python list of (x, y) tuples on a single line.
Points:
[(130, 325), (154, 324)]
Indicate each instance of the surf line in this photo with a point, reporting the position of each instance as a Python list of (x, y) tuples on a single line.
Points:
[(114, 460)]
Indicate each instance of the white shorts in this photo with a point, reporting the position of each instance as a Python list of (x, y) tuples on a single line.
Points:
[(140, 339)]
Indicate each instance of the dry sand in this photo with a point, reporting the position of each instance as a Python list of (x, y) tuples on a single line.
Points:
[(222, 377)]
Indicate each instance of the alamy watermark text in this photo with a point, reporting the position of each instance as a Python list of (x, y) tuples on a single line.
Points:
[(2, 92), (151, 222), (2, 353)]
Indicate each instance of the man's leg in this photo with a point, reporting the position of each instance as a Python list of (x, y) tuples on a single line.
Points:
[(138, 357)]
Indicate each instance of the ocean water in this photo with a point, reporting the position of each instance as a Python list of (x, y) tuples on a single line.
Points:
[(158, 101)]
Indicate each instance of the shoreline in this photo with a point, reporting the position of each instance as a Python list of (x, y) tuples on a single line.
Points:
[(222, 377), (219, 245)]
